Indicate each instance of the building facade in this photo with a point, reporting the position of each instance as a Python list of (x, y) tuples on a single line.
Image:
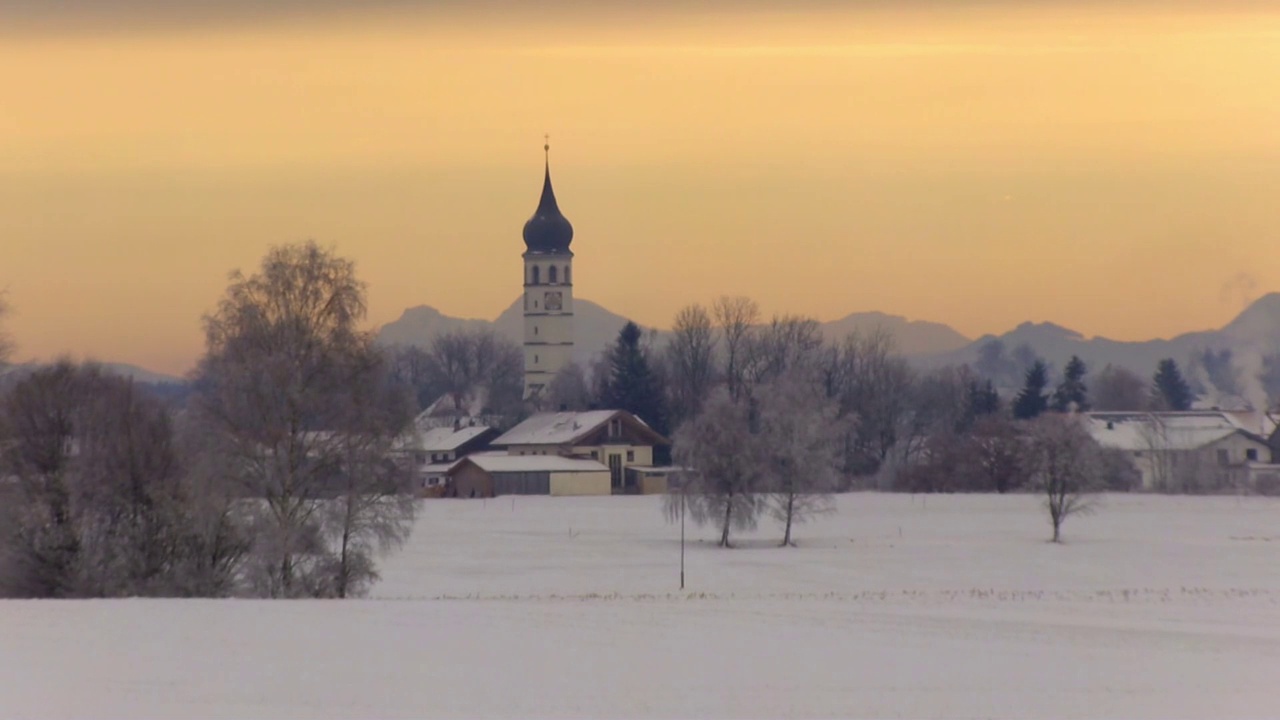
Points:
[(1186, 452), (548, 293)]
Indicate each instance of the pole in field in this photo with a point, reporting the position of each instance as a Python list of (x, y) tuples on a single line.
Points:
[(682, 502)]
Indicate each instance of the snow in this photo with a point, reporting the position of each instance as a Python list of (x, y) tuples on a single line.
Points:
[(899, 606), (1174, 431), (562, 428), (445, 439), (499, 463)]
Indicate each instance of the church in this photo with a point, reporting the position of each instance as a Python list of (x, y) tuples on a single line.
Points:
[(548, 292), (596, 452)]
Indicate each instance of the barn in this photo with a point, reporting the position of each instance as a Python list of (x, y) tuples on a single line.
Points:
[(492, 474)]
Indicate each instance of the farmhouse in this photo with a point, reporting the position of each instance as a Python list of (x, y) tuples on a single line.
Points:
[(495, 473), (1196, 451), (614, 438), (435, 449)]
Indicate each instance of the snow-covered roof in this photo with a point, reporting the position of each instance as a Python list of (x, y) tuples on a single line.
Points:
[(562, 428), (437, 468), (1139, 432), (531, 463), (445, 439)]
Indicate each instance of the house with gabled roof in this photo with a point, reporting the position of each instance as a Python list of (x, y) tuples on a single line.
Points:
[(1191, 451), (433, 450), (616, 439)]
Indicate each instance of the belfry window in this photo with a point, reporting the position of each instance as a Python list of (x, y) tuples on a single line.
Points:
[(551, 274), (537, 276), (567, 281)]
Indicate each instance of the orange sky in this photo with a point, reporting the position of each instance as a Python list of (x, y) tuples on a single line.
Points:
[(1113, 167)]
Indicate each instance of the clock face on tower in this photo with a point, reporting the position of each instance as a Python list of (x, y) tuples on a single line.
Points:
[(552, 300)]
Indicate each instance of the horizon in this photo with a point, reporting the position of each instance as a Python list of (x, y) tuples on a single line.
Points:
[(939, 162)]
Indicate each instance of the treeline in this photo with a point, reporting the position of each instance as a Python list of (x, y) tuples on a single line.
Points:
[(774, 417), (279, 477)]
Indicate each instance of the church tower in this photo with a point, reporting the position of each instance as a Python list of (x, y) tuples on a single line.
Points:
[(548, 292)]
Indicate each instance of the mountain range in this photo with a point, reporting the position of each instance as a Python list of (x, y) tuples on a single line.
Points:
[(1253, 334), (1250, 336), (597, 328)]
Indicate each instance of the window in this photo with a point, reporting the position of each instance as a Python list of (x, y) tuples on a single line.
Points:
[(535, 359), (615, 427), (595, 455), (566, 274), (1251, 454), (535, 329), (631, 456), (537, 276), (1224, 457), (551, 274)]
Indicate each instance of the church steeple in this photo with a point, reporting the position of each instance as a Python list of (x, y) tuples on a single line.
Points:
[(548, 293), (548, 231)]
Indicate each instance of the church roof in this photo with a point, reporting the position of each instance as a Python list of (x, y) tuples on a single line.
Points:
[(548, 231)]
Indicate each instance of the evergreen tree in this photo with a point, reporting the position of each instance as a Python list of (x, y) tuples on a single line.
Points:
[(1169, 390), (1072, 392), (1032, 400), (633, 385), (981, 400)]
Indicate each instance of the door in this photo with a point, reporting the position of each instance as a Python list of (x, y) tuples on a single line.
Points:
[(615, 471)]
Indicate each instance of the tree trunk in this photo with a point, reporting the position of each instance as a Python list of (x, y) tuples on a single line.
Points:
[(728, 515), (791, 504)]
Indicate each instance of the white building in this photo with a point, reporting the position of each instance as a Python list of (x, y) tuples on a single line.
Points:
[(548, 292), (615, 438), (1196, 451)]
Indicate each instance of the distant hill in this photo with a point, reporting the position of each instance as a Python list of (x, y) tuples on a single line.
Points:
[(139, 374), (1254, 333), (597, 328), (913, 337)]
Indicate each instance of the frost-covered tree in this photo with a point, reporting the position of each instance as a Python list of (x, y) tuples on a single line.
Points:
[(734, 317), (722, 460), (1116, 388), (569, 390), (102, 504), (1063, 462), (281, 386), (799, 436), (691, 362)]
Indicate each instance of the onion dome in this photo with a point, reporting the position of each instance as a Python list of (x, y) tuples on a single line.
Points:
[(548, 231)]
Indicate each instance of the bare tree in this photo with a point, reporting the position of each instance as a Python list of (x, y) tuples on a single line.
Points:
[(284, 367), (872, 384), (373, 511), (722, 468), (1063, 460), (476, 365), (788, 343), (568, 390), (690, 362), (800, 439), (735, 317), (104, 506), (41, 555), (1118, 389)]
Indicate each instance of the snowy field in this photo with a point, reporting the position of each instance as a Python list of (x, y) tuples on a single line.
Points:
[(569, 607)]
